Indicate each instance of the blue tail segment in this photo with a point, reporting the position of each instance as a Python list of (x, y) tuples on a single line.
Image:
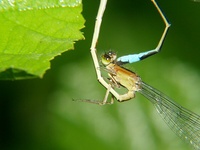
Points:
[(135, 57)]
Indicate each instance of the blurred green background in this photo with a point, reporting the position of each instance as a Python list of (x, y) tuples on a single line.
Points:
[(40, 114)]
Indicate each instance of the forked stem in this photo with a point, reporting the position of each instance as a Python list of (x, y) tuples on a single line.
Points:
[(98, 22)]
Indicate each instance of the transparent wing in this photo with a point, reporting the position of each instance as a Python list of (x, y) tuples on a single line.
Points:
[(183, 122)]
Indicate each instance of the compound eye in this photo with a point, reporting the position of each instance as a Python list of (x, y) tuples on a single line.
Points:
[(106, 59)]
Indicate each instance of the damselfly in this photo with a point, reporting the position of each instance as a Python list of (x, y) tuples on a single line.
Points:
[(183, 122), (141, 56)]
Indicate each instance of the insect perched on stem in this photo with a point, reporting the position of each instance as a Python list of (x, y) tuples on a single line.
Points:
[(123, 59), (183, 122)]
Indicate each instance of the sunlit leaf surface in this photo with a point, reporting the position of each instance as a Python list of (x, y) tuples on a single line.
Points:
[(33, 32)]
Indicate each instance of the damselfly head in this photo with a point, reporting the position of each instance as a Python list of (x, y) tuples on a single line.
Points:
[(108, 57)]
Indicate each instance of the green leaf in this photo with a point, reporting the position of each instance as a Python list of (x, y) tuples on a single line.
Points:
[(33, 33)]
